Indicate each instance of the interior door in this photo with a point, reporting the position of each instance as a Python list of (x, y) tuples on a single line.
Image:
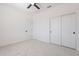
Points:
[(44, 29), (68, 30), (56, 30), (41, 28)]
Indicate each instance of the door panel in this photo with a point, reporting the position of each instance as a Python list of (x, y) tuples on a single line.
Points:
[(68, 29), (41, 28), (44, 29), (55, 30)]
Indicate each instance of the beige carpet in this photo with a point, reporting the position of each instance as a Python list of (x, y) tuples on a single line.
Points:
[(36, 48)]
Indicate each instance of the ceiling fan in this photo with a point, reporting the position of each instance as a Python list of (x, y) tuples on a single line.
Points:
[(35, 5)]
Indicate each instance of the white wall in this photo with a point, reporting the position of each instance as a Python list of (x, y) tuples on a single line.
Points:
[(58, 11), (13, 23)]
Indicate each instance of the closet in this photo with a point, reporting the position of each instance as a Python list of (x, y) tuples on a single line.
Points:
[(69, 30), (60, 30), (41, 28), (63, 30), (55, 30)]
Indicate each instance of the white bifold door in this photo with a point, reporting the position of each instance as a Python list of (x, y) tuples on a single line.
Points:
[(55, 30), (41, 28), (69, 30), (60, 30), (63, 30)]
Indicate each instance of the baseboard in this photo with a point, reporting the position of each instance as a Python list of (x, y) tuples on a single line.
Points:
[(15, 42)]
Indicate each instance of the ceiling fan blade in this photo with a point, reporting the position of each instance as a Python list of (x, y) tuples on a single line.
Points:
[(36, 6), (29, 6)]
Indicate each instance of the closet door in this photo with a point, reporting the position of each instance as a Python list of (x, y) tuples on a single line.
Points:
[(56, 30), (68, 30), (41, 28), (44, 29)]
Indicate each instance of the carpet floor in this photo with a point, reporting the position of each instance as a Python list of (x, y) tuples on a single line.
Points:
[(36, 48)]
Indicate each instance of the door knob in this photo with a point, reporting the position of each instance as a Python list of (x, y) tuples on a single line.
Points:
[(73, 32)]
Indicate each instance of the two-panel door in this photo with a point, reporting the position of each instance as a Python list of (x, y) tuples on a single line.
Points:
[(69, 30), (63, 30), (55, 30)]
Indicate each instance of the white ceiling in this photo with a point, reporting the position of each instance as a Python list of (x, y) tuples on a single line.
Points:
[(23, 6), (43, 6)]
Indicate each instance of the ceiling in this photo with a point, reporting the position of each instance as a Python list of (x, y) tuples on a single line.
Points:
[(43, 6)]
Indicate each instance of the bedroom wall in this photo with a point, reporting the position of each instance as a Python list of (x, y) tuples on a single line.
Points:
[(13, 24)]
